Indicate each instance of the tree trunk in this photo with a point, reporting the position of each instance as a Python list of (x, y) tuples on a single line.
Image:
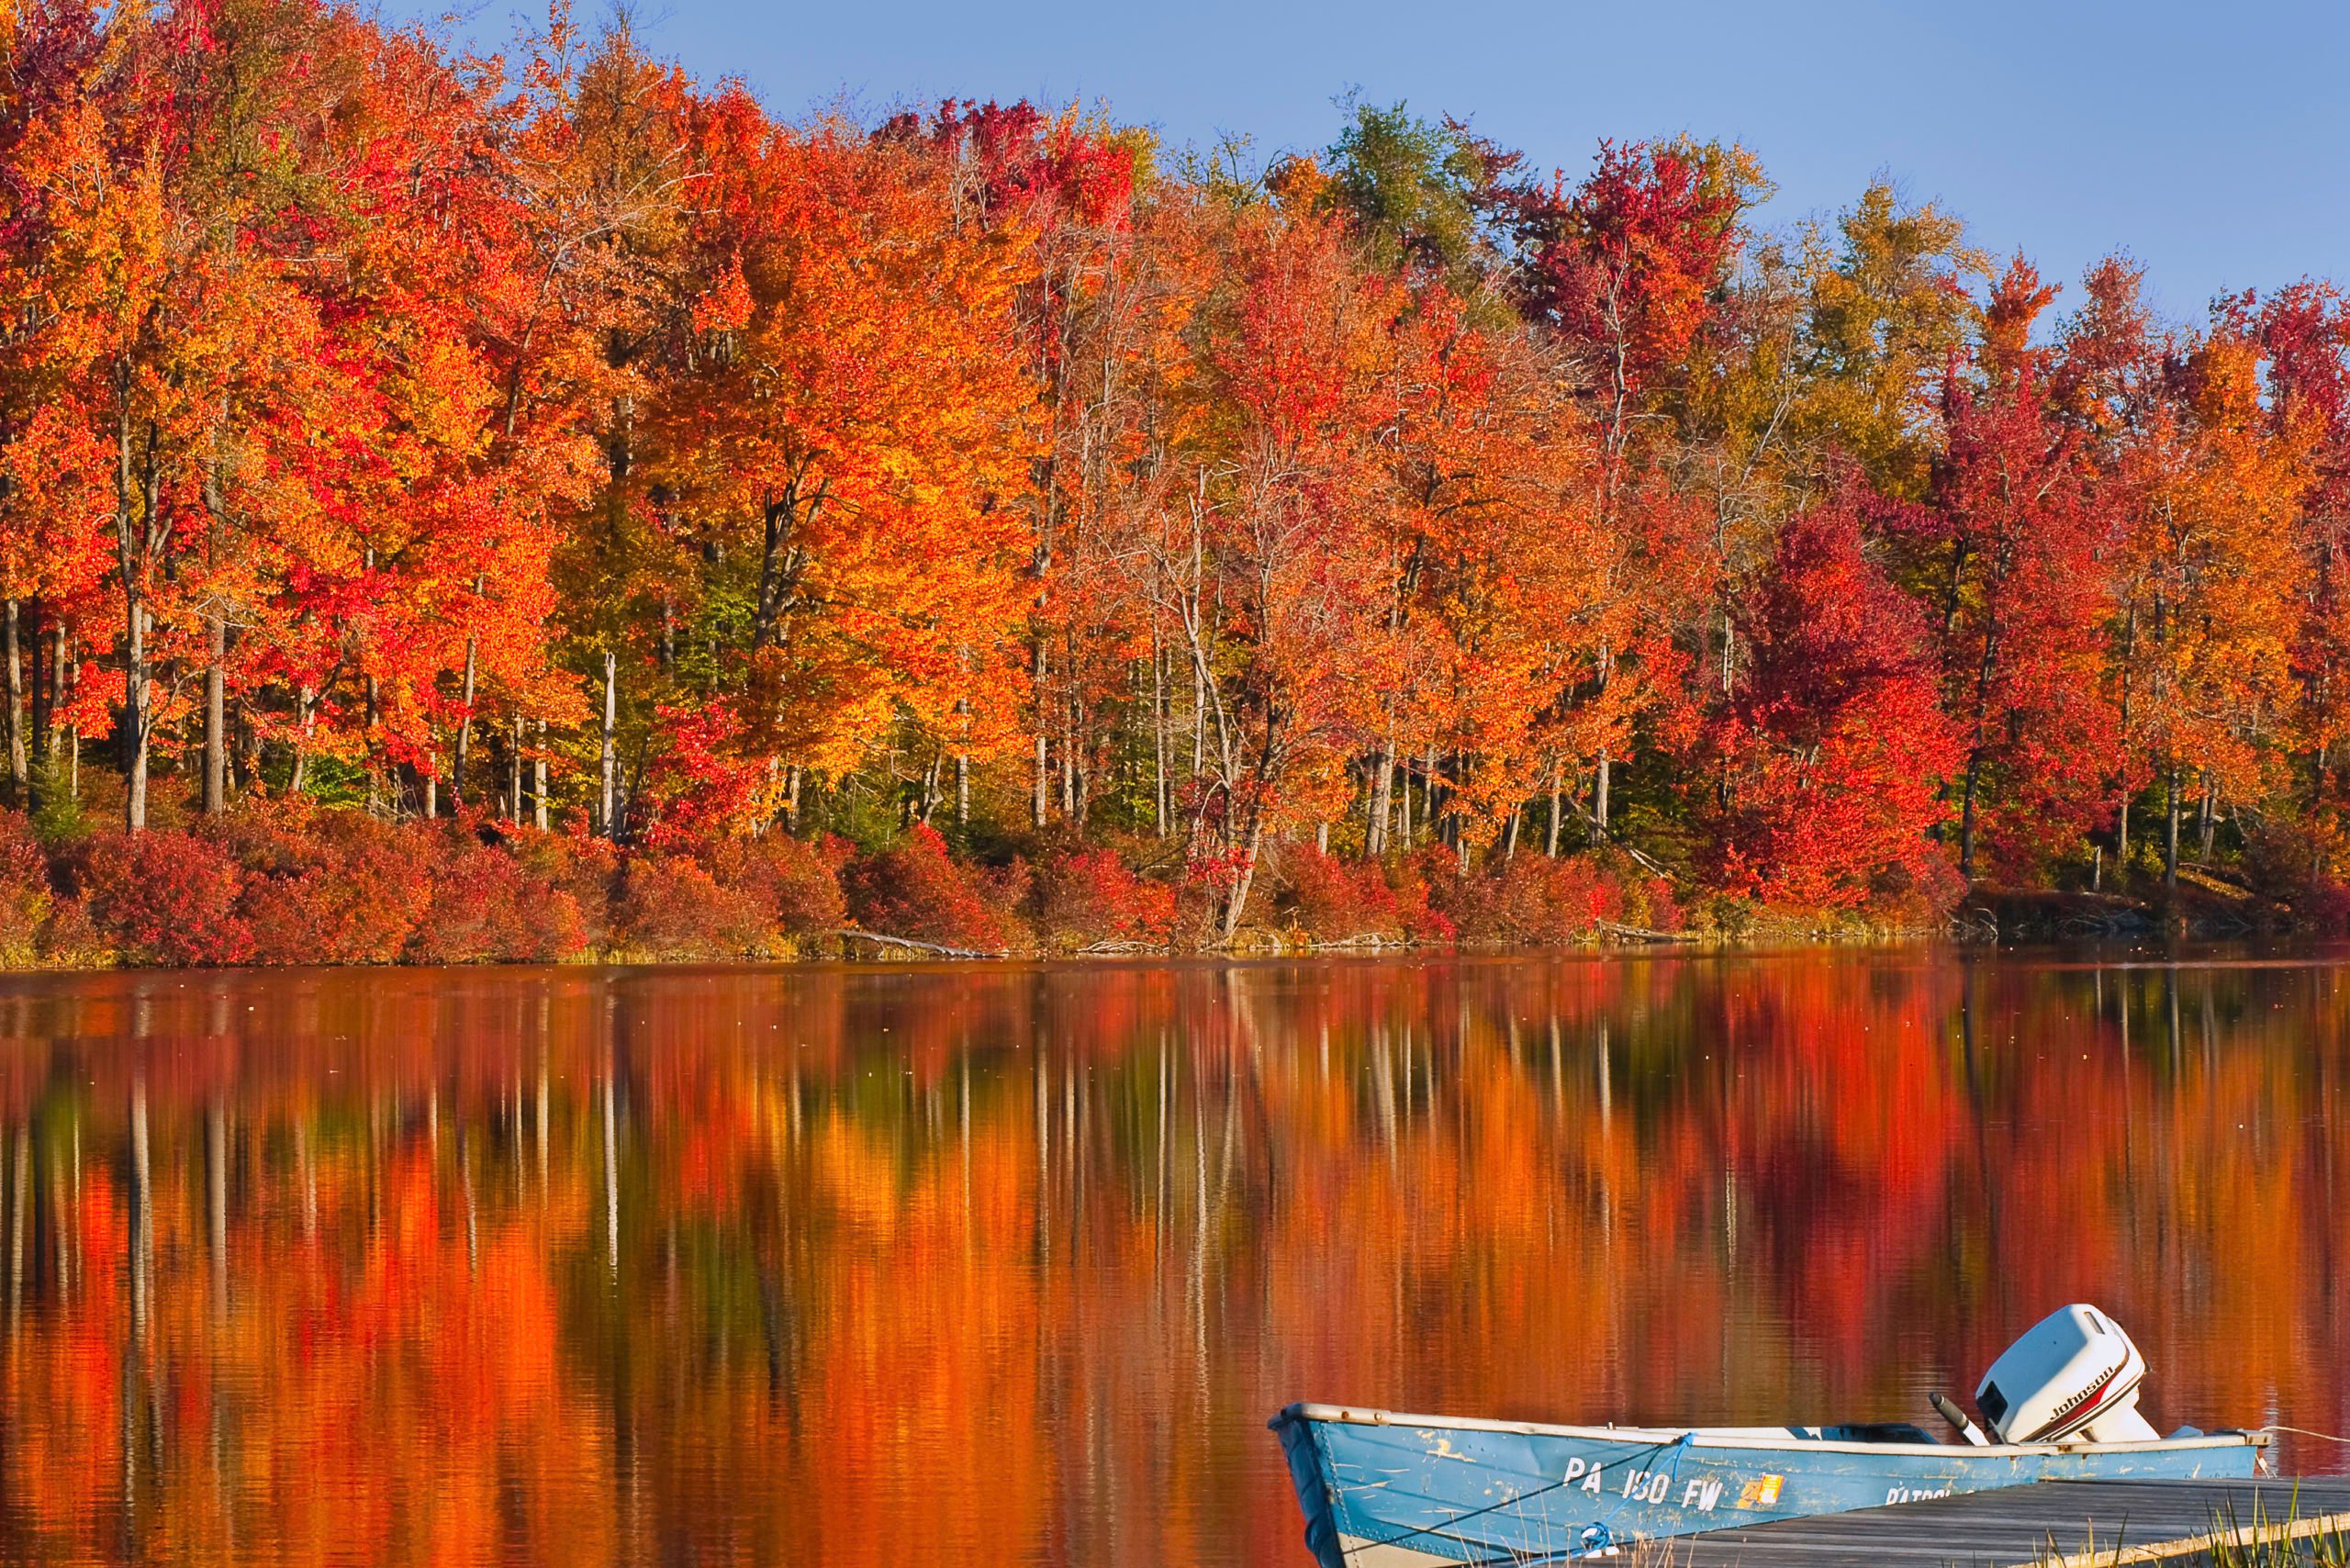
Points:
[(1199, 719), (2121, 838), (2170, 840), (1041, 807), (1966, 815), (215, 658), (1044, 801), (539, 781), (514, 786), (1404, 810), (465, 725), (962, 790), (1240, 904), (1430, 815), (19, 765), (215, 713), (1558, 776), (1383, 802), (135, 713), (69, 677), (305, 703), (1158, 732), (49, 687), (2205, 826), (375, 771), (138, 538), (608, 759), (244, 755), (1599, 798), (930, 790)]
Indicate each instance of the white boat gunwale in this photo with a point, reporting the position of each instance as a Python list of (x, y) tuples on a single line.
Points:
[(1750, 1437)]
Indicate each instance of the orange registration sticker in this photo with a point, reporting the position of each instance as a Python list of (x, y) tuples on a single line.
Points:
[(1762, 1492)]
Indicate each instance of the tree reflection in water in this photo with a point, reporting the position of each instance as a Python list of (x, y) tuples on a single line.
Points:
[(1009, 1264)]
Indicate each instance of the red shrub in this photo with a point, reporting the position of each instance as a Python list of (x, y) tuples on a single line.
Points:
[(672, 907), (328, 886), (583, 869), (1084, 897), (25, 895), (794, 886), (1920, 894), (71, 937), (1333, 899), (915, 890), (487, 907), (1648, 902), (165, 897), (1532, 898), (1415, 881)]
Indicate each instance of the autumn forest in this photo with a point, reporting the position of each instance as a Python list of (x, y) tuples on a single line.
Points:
[(459, 506)]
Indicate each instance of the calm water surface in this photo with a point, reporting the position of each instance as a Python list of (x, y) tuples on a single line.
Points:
[(1008, 1265)]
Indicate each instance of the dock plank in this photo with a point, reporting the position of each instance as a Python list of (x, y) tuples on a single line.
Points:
[(2041, 1523)]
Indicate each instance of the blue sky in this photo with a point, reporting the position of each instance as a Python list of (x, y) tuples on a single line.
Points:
[(2211, 143)]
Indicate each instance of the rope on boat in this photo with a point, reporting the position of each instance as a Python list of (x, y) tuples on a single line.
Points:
[(1444, 1528), (1679, 1446), (1596, 1537), (2302, 1432)]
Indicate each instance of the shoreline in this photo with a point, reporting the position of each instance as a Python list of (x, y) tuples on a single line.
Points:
[(865, 950), (293, 886)]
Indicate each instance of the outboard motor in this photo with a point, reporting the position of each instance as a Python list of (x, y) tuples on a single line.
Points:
[(2075, 1375)]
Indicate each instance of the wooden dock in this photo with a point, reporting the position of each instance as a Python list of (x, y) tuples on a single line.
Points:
[(2049, 1524)]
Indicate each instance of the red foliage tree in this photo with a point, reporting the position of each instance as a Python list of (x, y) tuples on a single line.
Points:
[(1825, 767), (2005, 554)]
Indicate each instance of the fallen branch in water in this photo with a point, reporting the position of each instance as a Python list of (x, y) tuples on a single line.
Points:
[(1643, 933), (1370, 941), (943, 952)]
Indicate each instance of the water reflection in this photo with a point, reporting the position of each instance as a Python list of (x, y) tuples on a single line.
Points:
[(1009, 1265)]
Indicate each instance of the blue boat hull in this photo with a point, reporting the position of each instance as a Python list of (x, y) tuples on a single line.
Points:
[(1388, 1491)]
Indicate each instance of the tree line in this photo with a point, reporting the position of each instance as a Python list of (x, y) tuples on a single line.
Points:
[(558, 439)]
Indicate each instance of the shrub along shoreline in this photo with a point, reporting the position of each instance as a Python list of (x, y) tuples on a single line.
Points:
[(289, 882)]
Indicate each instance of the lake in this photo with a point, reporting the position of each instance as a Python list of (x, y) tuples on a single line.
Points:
[(1009, 1264)]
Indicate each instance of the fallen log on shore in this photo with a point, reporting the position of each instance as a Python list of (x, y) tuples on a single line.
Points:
[(1643, 933), (908, 942)]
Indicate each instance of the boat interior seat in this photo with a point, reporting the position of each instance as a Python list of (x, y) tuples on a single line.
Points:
[(1867, 1432)]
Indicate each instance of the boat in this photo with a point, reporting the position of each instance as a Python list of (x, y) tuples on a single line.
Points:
[(1384, 1490)]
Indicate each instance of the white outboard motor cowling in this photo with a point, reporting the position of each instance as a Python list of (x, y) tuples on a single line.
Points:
[(2073, 1376)]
